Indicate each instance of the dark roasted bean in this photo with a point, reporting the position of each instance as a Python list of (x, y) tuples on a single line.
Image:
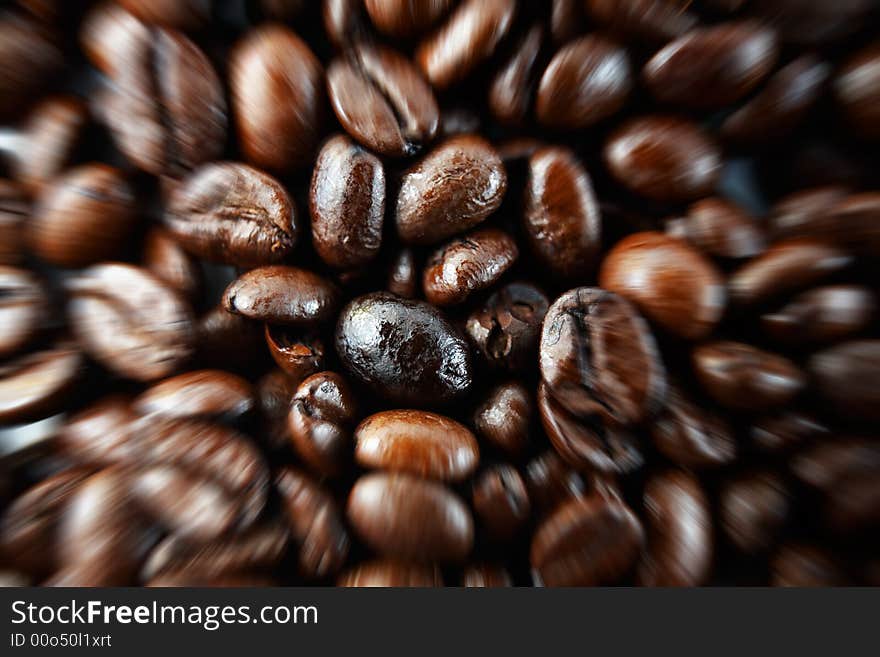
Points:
[(822, 315), (857, 86), (848, 376), (504, 418), (166, 260), (299, 357), (403, 276), (754, 509), (282, 295), (512, 88), (721, 229), (656, 20), (501, 502), (208, 394), (786, 431), (404, 18), (37, 384), (803, 566)]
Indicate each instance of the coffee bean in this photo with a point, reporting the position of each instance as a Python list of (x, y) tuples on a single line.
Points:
[(754, 509), (720, 229), (485, 576), (663, 158), (406, 351), (31, 57), (402, 18), (401, 516), (388, 572), (655, 20), (101, 433), (504, 418), (501, 502), (787, 430), (551, 482), (299, 357), (403, 276), (806, 566), (587, 81), (418, 442), (597, 356), (561, 215), (822, 315), (796, 215), (671, 283), (847, 377), (14, 210), (165, 259), (512, 88), (275, 391), (23, 309), (232, 213), (453, 188), (37, 384), (851, 223), (227, 340), (345, 22), (381, 100), (857, 86), (279, 294), (177, 13), (347, 204), (207, 394)]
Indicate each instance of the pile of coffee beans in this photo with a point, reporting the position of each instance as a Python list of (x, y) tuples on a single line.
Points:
[(439, 292)]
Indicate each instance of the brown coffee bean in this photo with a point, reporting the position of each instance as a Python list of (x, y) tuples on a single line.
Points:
[(381, 100), (277, 87), (655, 20), (207, 394), (484, 575), (418, 442), (31, 58), (504, 418), (83, 217), (299, 357), (784, 268), (405, 517), (754, 509), (316, 525), (501, 502), (453, 188), (467, 265), (848, 377), (403, 276), (225, 340), (347, 204), (387, 572), (587, 81), (785, 431), (275, 391), (470, 35), (742, 377), (665, 159), (857, 86), (505, 329), (130, 322), (719, 229), (513, 86), (822, 315), (23, 309), (100, 434), (797, 565), (232, 213), (345, 23), (671, 283), (795, 215), (561, 215), (550, 482), (851, 222), (812, 22), (679, 532), (37, 384), (282, 295), (597, 356), (166, 260), (14, 211), (586, 542), (404, 18)]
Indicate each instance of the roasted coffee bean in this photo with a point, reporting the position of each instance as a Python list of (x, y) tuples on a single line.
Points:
[(551, 482), (130, 322), (754, 509), (822, 315), (387, 572), (784, 268), (404, 18), (453, 188), (566, 20), (14, 210), (587, 442), (484, 575), (347, 204), (321, 419), (829, 216), (655, 20), (467, 265), (418, 442), (282, 10), (402, 516), (512, 88), (176, 13), (797, 214), (663, 158), (742, 377), (679, 532), (505, 329), (857, 86), (37, 384), (166, 260), (848, 377), (711, 67), (720, 229), (279, 294), (208, 394), (597, 356), (275, 391), (501, 502), (812, 22), (381, 100), (30, 58), (232, 213), (586, 542), (100, 434), (227, 340), (23, 309), (560, 214), (587, 81), (403, 276), (802, 566), (785, 431), (470, 35), (504, 418), (345, 22), (299, 357), (277, 87), (691, 435), (83, 217), (671, 283), (406, 351)]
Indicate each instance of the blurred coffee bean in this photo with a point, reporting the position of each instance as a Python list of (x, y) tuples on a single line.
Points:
[(279, 294), (282, 10), (37, 384), (101, 433), (806, 566), (720, 229), (345, 23), (485, 575), (853, 223), (299, 357), (598, 357), (754, 509), (857, 86), (813, 22), (166, 260), (185, 14), (512, 89), (206, 394), (418, 442), (504, 418), (388, 572), (30, 59), (551, 482), (822, 315), (501, 502), (787, 430), (654, 20), (23, 309), (795, 215), (14, 211), (848, 377), (403, 276), (404, 18), (275, 391), (406, 351)]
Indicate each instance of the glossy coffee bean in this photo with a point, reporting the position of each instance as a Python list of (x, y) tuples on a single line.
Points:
[(469, 36), (822, 315), (511, 91), (14, 210), (279, 294), (848, 377), (405, 351), (551, 482), (802, 566), (389, 572), (588, 80), (467, 265), (316, 524), (655, 20), (453, 188), (83, 217), (100, 434), (671, 283), (784, 268), (184, 14), (31, 57), (720, 229), (322, 414), (484, 575), (401, 516), (277, 87), (382, 101), (418, 442), (207, 394), (597, 356), (857, 86), (743, 377), (23, 309), (586, 542), (232, 213), (37, 384), (504, 418), (404, 18), (561, 214), (299, 356), (797, 214), (501, 502), (150, 328), (785, 431), (506, 328), (165, 259), (663, 158), (678, 523), (754, 509)]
